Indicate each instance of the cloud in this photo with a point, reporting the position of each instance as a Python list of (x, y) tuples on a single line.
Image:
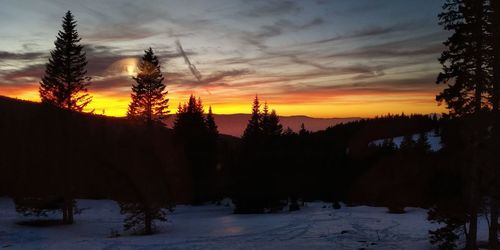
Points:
[(222, 75), (270, 8), (103, 60), (5, 55), (114, 84), (117, 32), (373, 31), (315, 22), (279, 27), (24, 75), (366, 7), (373, 52), (424, 83), (415, 46), (218, 77)]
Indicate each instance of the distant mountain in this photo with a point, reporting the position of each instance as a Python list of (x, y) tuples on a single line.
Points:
[(235, 124)]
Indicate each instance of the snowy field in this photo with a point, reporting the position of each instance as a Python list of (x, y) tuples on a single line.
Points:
[(434, 140), (316, 226)]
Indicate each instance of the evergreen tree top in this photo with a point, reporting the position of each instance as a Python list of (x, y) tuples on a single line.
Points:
[(149, 97), (466, 60), (211, 125), (265, 110), (64, 83), (254, 124), (303, 131), (256, 106)]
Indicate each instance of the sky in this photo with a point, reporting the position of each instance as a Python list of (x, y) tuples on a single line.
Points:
[(321, 58)]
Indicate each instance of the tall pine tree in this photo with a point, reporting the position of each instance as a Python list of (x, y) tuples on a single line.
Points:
[(213, 132), (190, 122), (467, 71), (260, 151), (466, 61), (495, 203), (149, 97), (253, 128), (275, 128), (149, 105), (495, 23), (64, 84), (192, 133)]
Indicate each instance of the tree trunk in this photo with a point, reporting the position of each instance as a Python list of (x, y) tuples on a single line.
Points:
[(70, 211), (496, 54), (473, 198), (493, 230), (65, 214), (479, 74), (147, 222), (495, 4), (472, 237)]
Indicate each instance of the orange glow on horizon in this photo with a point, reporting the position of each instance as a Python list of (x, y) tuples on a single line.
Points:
[(342, 106)]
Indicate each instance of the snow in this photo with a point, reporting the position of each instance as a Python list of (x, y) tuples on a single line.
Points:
[(434, 140), (316, 226)]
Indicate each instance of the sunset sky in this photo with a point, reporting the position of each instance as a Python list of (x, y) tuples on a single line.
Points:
[(321, 58)]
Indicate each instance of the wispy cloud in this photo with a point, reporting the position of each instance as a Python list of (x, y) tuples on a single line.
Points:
[(270, 8), (5, 55)]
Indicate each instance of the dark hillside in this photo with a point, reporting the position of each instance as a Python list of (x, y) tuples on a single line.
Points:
[(49, 151)]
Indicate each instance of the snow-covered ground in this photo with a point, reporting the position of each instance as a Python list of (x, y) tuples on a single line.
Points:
[(434, 140), (316, 226)]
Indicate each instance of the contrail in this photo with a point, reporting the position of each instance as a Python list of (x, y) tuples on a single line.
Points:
[(191, 66)]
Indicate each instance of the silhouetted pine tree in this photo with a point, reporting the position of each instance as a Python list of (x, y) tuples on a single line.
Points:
[(467, 69), (422, 144), (261, 153), (248, 196), (149, 102), (265, 120), (303, 131), (274, 128), (64, 84), (407, 143), (289, 132), (467, 59), (149, 105), (253, 128), (211, 126), (214, 183), (495, 198), (495, 23), (192, 132), (190, 121)]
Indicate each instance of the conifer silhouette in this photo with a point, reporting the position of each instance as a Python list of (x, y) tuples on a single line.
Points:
[(64, 84), (149, 102)]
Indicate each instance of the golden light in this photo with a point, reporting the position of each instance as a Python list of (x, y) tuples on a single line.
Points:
[(127, 66), (131, 70)]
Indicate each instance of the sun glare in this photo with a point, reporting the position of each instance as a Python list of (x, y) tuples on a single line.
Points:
[(131, 70)]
